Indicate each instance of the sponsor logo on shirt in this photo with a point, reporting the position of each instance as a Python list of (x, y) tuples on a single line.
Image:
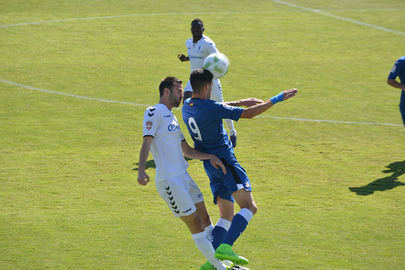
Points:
[(149, 125), (173, 127)]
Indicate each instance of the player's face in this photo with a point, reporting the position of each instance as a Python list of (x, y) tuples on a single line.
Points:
[(176, 94), (197, 29)]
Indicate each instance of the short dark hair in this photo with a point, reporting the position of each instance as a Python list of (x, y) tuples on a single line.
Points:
[(167, 83), (199, 78), (197, 20)]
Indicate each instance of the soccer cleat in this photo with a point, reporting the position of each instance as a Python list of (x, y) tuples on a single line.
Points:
[(225, 252), (228, 265), (238, 267), (233, 140), (207, 266)]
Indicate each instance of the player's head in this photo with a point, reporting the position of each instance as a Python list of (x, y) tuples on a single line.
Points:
[(171, 89), (201, 79), (197, 27)]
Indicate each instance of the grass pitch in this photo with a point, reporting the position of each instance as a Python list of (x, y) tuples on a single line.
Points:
[(330, 195)]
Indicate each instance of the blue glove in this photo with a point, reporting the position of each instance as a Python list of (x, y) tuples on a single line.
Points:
[(278, 98)]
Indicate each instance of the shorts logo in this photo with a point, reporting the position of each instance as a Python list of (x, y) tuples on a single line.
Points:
[(149, 125), (187, 210)]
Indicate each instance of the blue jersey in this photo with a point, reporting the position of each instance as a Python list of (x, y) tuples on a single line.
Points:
[(203, 118), (398, 70)]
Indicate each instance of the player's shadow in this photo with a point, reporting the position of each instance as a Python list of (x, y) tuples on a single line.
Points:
[(151, 164), (396, 168)]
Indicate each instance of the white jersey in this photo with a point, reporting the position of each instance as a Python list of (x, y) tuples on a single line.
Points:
[(198, 51), (167, 152)]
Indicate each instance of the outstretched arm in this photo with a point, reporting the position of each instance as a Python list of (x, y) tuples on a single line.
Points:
[(262, 107), (143, 177), (192, 153), (248, 102)]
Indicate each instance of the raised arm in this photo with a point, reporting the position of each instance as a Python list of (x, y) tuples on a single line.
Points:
[(143, 177), (195, 154), (262, 107)]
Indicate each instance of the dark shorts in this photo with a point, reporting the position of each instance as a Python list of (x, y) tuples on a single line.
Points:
[(223, 185)]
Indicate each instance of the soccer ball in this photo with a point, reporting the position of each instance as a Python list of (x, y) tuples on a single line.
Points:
[(217, 64)]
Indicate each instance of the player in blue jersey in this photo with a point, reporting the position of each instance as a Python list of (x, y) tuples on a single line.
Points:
[(398, 70), (203, 118)]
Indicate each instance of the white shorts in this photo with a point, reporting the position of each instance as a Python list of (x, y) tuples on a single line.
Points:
[(180, 193), (216, 93)]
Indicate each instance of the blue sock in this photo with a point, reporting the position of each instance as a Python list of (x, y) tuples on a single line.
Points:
[(238, 225), (219, 234)]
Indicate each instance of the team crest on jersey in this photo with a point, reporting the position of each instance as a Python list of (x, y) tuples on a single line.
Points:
[(149, 125), (191, 104)]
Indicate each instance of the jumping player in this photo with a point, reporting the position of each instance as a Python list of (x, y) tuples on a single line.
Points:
[(203, 118)]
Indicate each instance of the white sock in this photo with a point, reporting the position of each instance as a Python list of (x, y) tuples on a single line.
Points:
[(224, 223), (204, 245), (230, 126), (208, 230), (246, 213)]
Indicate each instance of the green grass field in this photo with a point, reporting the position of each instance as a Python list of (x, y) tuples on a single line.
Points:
[(69, 198)]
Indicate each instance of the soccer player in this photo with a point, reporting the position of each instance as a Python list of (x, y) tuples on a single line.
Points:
[(162, 135), (398, 70), (203, 118), (198, 48)]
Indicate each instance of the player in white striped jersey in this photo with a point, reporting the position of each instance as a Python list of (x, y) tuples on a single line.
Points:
[(162, 135), (198, 48)]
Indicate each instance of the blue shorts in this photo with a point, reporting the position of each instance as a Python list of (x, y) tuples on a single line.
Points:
[(223, 185)]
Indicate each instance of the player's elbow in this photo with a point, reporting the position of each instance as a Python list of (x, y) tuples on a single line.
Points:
[(390, 82)]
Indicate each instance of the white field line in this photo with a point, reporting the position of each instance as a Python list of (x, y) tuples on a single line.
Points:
[(339, 17), (324, 12), (146, 105), (134, 15), (71, 95)]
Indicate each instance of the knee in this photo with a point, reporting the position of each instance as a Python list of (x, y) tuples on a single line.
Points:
[(253, 208), (205, 219)]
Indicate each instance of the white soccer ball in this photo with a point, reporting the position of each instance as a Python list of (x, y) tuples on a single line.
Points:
[(217, 64)]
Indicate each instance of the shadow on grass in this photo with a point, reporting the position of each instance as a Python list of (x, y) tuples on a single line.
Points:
[(151, 164), (396, 168)]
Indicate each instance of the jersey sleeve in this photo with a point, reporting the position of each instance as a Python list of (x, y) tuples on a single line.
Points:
[(151, 121), (227, 112), (395, 69), (210, 47)]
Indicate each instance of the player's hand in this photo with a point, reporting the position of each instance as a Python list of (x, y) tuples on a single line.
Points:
[(143, 178), (182, 57), (289, 93), (217, 163)]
